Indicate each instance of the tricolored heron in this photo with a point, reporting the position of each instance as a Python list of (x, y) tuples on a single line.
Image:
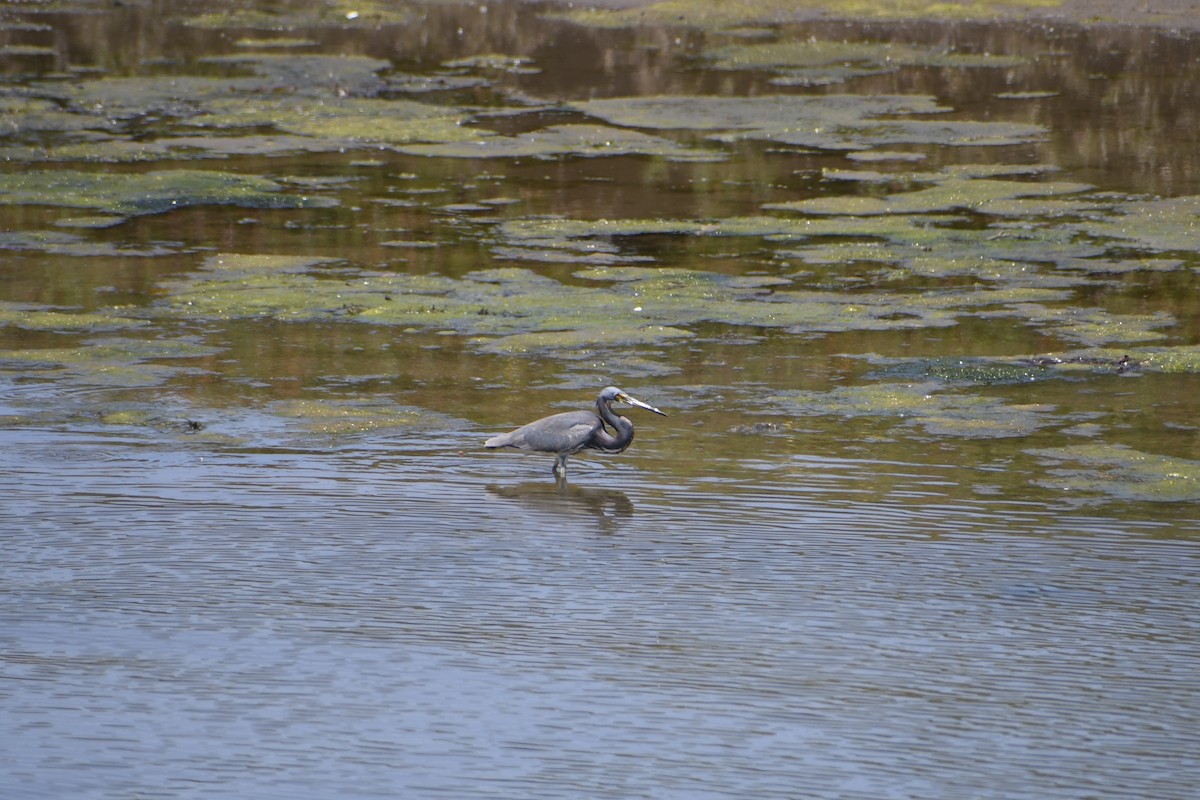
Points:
[(572, 431)]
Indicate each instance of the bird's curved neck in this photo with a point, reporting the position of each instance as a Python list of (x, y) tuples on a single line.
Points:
[(622, 426)]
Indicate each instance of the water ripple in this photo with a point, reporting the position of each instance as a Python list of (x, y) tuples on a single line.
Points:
[(387, 621)]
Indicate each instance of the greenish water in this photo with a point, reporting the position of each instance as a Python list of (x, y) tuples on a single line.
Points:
[(920, 300)]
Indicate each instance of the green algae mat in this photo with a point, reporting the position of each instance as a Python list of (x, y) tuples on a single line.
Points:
[(805, 238)]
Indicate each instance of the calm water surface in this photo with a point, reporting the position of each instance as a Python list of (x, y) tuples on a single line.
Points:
[(298, 623), (248, 556)]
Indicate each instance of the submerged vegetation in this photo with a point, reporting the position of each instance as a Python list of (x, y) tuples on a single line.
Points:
[(814, 62), (1122, 472), (840, 201), (828, 122), (146, 192), (702, 14)]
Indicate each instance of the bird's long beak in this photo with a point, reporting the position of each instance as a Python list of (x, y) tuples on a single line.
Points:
[(633, 401)]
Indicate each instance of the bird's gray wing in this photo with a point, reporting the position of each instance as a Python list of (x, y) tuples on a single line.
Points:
[(560, 433)]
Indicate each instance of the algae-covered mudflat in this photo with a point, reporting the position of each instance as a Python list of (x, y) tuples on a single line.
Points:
[(917, 284)]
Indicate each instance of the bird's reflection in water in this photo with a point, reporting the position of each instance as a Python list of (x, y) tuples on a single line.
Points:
[(608, 506)]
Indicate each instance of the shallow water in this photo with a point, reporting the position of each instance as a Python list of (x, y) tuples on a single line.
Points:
[(922, 520), (310, 623)]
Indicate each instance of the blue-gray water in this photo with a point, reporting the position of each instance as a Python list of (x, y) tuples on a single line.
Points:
[(935, 540), (403, 621)]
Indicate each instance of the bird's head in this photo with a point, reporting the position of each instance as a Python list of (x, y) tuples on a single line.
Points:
[(612, 394)]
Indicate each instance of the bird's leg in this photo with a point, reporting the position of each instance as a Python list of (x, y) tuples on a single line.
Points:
[(560, 465)]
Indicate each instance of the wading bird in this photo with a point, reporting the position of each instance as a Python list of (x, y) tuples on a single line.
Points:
[(572, 431)]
